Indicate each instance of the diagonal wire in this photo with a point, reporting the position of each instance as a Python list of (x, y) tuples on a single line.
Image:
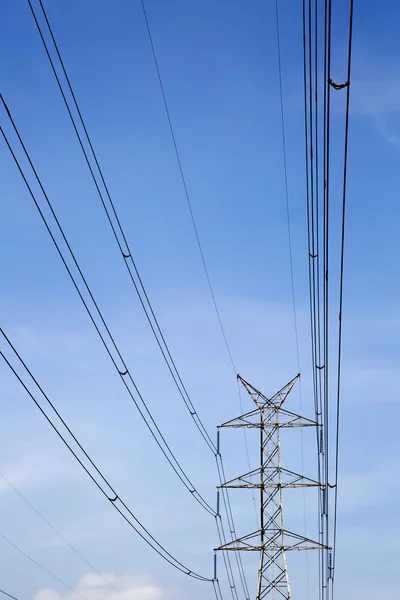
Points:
[(163, 445), (124, 248), (21, 495), (185, 187), (313, 269), (8, 595), (35, 562), (326, 218), (123, 244), (112, 496), (339, 365), (291, 266), (189, 203)]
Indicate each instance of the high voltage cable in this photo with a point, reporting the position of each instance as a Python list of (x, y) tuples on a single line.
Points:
[(8, 595), (339, 363), (282, 112), (317, 195), (35, 562), (124, 371), (217, 590), (313, 262), (21, 495), (231, 524), (123, 245), (308, 205), (127, 254), (327, 130), (111, 495), (199, 244), (185, 187), (318, 374)]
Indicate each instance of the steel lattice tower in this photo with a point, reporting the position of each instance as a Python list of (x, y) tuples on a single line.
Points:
[(272, 540)]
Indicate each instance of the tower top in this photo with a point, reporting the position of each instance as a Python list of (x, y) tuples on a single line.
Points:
[(261, 400)]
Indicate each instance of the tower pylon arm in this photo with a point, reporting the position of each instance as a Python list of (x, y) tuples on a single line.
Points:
[(245, 543), (295, 420), (291, 541), (300, 542), (293, 480), (260, 399), (252, 419)]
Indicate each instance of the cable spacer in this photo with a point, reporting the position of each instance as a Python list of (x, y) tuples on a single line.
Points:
[(338, 86)]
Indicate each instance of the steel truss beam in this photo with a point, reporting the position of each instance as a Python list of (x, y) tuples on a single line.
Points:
[(272, 540)]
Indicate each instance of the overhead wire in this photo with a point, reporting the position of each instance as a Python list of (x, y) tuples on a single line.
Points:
[(43, 518), (40, 566), (310, 66), (326, 215), (111, 495), (8, 595), (122, 241), (217, 590), (342, 252), (190, 406), (229, 513), (200, 247), (123, 372), (185, 187), (288, 220), (123, 247)]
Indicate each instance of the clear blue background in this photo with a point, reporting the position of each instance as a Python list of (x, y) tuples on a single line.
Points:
[(219, 65)]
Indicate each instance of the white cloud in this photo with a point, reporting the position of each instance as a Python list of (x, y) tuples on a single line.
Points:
[(95, 587)]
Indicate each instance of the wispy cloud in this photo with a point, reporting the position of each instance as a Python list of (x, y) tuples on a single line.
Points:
[(378, 99), (94, 587)]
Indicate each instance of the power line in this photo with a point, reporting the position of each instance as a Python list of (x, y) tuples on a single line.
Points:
[(185, 187), (312, 204), (8, 595), (123, 244), (198, 240), (111, 495), (283, 128), (191, 488), (35, 562), (326, 215), (21, 495), (123, 371), (342, 250)]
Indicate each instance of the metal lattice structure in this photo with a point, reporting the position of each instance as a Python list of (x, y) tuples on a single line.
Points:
[(272, 540)]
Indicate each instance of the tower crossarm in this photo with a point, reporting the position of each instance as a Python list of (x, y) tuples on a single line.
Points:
[(285, 418), (260, 399), (291, 541), (253, 479)]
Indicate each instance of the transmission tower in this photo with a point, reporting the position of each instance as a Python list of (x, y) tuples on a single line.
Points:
[(272, 540)]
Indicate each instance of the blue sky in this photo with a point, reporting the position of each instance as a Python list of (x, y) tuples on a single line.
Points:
[(219, 64)]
